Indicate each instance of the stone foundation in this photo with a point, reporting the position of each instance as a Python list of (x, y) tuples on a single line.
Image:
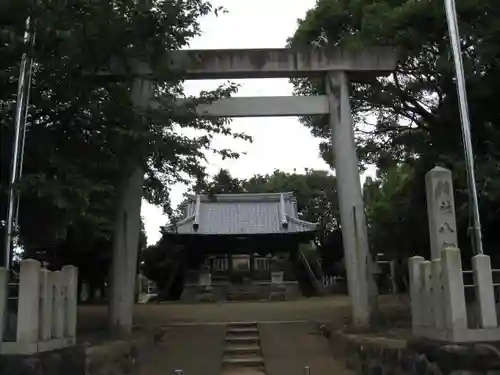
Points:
[(121, 357), (58, 362), (370, 355), (225, 291)]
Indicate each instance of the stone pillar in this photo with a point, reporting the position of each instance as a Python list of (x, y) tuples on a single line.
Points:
[(126, 234), (417, 307), (28, 311), (70, 275), (277, 277), (58, 306), (139, 284), (453, 283), (438, 305), (485, 294), (205, 279), (4, 293), (84, 292), (426, 274), (392, 271), (440, 210), (47, 300), (352, 212), (252, 265)]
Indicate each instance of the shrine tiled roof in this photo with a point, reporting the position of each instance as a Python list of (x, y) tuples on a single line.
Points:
[(242, 214)]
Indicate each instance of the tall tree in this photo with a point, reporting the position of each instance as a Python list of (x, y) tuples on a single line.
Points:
[(84, 133), (412, 116), (221, 183), (315, 191)]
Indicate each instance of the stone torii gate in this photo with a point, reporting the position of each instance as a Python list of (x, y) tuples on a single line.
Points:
[(338, 67)]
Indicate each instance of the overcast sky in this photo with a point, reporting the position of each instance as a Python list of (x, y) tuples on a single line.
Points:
[(279, 143)]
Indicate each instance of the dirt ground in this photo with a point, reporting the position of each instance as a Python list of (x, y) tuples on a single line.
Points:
[(92, 318), (289, 333), (395, 312), (289, 347)]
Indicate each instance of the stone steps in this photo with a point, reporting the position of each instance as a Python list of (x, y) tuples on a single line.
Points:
[(242, 349), (242, 325), (242, 297), (243, 360), (243, 340), (234, 331), (242, 352)]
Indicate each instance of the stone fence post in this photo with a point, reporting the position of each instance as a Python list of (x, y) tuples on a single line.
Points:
[(454, 295), (47, 309), (47, 297), (439, 307), (416, 292), (70, 279), (437, 290), (427, 301), (28, 313), (485, 294), (58, 306)]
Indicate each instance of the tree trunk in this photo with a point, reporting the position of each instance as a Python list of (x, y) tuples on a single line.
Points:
[(125, 252)]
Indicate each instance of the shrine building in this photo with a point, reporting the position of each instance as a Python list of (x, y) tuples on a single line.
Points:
[(241, 246)]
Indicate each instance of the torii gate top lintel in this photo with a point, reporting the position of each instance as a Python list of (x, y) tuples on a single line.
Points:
[(274, 63)]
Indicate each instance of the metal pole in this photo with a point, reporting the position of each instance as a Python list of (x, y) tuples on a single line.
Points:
[(451, 18), (23, 123), (19, 123)]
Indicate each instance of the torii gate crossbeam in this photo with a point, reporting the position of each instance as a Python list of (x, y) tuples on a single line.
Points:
[(264, 106), (266, 63)]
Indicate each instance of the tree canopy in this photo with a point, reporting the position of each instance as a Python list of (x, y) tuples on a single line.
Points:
[(82, 129), (411, 117)]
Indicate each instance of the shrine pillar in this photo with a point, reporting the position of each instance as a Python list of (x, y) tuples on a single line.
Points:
[(352, 212)]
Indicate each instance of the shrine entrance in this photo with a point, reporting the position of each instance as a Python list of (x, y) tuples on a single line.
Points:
[(338, 67)]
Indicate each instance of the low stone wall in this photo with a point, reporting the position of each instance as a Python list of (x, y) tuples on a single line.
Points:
[(58, 362), (370, 355), (120, 357), (220, 291)]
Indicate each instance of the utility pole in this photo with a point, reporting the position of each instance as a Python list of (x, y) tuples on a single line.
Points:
[(23, 93), (451, 18)]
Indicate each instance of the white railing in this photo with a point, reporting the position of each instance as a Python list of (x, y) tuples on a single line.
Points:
[(262, 263), (438, 298), (331, 281), (220, 264), (495, 285), (46, 310)]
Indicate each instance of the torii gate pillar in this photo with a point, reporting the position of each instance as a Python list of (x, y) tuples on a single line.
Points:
[(357, 257)]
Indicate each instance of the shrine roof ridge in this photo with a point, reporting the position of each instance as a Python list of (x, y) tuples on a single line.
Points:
[(242, 197)]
